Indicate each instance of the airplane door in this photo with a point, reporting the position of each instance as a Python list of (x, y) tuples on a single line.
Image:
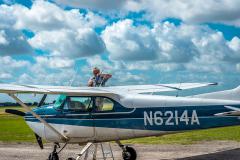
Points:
[(76, 118), (107, 124)]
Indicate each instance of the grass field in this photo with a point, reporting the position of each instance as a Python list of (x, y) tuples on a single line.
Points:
[(14, 129)]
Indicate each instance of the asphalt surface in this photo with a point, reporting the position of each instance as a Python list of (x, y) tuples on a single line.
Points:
[(215, 150)]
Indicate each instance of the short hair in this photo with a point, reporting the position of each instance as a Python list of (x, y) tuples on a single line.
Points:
[(96, 69)]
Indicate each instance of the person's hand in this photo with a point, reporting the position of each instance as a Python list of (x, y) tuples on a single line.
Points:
[(90, 83)]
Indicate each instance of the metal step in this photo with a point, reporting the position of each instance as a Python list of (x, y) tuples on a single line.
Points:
[(89, 152)]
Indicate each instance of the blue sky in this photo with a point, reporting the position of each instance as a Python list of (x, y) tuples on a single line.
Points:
[(138, 41)]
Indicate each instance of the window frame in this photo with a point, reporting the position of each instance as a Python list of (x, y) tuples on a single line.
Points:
[(103, 111), (93, 107), (67, 102)]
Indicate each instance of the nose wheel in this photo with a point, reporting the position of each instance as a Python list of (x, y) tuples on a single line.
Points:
[(54, 154)]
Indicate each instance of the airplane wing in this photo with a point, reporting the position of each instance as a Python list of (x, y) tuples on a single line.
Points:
[(235, 112), (159, 87), (40, 89)]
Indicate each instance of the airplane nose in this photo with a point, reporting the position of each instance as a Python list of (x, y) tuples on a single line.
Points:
[(15, 112)]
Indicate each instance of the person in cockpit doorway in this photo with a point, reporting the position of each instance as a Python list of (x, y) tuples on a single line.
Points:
[(99, 79)]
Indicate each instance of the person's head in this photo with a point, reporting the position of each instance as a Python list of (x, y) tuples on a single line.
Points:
[(96, 71)]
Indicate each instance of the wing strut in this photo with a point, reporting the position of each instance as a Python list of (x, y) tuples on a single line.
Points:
[(38, 117)]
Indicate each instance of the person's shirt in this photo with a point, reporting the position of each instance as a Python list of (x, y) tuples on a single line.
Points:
[(99, 80)]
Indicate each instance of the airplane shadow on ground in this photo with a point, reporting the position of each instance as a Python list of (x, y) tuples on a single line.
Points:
[(233, 154)]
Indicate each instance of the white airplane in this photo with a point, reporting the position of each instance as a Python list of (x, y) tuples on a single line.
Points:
[(93, 115)]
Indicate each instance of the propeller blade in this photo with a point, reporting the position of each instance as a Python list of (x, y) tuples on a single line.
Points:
[(39, 140), (15, 112)]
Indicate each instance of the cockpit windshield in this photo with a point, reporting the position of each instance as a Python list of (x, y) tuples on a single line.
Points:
[(60, 100)]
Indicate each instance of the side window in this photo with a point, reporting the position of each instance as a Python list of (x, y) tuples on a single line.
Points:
[(79, 103), (103, 104)]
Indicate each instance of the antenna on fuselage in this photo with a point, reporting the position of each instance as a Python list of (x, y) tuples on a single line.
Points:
[(178, 89), (73, 77)]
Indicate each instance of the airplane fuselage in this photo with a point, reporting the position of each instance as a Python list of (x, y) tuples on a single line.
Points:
[(133, 116)]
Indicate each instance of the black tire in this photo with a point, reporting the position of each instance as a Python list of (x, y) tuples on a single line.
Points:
[(71, 158), (129, 154), (53, 156)]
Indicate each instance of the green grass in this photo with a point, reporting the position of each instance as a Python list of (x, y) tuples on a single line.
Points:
[(14, 129), (226, 133)]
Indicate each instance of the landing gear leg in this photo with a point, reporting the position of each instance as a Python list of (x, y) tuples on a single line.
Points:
[(128, 153), (54, 154)]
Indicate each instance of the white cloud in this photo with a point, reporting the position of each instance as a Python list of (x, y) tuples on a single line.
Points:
[(67, 33), (3, 40), (238, 67), (184, 47), (97, 61), (163, 43), (94, 4), (94, 20), (42, 74), (10, 67), (68, 43), (197, 11), (5, 76), (126, 77), (127, 42), (194, 11), (6, 16), (54, 62), (13, 42), (234, 44), (25, 79), (44, 15), (168, 67), (9, 62)]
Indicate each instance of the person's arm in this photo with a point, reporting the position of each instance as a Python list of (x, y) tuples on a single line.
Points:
[(106, 76)]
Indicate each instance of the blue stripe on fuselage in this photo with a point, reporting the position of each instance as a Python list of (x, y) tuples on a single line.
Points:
[(135, 120)]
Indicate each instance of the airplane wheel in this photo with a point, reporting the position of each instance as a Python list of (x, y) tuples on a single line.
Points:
[(53, 156), (71, 158), (129, 154)]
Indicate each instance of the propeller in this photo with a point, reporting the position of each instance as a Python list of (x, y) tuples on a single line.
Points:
[(22, 114), (15, 112)]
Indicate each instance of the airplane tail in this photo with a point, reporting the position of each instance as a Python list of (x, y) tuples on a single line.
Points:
[(232, 94)]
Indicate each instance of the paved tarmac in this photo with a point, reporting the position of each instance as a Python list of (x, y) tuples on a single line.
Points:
[(214, 150)]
